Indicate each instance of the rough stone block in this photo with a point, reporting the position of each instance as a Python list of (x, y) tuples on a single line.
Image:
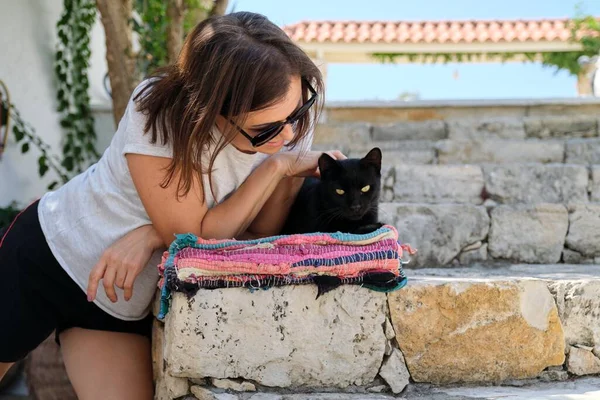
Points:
[(528, 233), (572, 257), (341, 134), (475, 331), (578, 304), (435, 183), (491, 128), (279, 337), (582, 362), (394, 372), (400, 156), (426, 130), (595, 183), (473, 256), (534, 183), (583, 151), (438, 231), (584, 229), (500, 151), (561, 126), (202, 393)]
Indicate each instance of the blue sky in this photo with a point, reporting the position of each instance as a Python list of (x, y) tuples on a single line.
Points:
[(475, 81)]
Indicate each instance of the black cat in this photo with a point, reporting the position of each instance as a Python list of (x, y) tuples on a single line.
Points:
[(345, 199)]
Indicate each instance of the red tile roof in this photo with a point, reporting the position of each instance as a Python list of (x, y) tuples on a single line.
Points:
[(473, 31)]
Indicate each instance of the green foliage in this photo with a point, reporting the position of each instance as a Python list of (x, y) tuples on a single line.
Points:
[(196, 11), (71, 66), (152, 31), (26, 136), (7, 214)]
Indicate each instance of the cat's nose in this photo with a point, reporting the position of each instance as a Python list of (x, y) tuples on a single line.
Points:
[(355, 208)]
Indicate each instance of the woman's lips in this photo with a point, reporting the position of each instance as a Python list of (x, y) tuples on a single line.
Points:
[(275, 143)]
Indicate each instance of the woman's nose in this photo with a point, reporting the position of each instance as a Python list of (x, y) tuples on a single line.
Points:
[(287, 133)]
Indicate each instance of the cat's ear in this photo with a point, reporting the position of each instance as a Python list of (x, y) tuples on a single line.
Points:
[(373, 158), (327, 164)]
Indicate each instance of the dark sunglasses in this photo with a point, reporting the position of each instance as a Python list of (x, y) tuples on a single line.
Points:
[(269, 133)]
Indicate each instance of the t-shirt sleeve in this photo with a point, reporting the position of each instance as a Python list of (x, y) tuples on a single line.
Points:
[(136, 141)]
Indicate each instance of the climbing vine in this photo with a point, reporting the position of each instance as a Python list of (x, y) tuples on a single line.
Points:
[(26, 136), (70, 70), (71, 65), (151, 28)]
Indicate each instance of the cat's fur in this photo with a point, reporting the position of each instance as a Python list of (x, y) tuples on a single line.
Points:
[(319, 208)]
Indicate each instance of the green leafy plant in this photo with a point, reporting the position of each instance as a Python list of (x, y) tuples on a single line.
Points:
[(7, 214), (152, 31), (27, 137), (71, 66), (151, 28)]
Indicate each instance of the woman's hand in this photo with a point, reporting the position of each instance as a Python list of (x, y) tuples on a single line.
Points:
[(304, 164), (122, 262)]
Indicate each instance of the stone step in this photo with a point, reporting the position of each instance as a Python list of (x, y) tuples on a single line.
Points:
[(461, 129), (500, 183), (587, 388), (483, 151), (518, 325), (465, 234)]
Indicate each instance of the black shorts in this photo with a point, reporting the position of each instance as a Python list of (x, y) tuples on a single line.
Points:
[(37, 297)]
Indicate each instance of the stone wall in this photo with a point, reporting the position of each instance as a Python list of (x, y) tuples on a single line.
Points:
[(486, 189), (502, 202), (451, 328), (395, 111)]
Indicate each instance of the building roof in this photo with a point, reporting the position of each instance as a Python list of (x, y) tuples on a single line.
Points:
[(424, 32)]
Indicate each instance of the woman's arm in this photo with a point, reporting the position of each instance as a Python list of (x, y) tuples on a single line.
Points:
[(271, 218), (190, 213), (123, 261), (228, 219)]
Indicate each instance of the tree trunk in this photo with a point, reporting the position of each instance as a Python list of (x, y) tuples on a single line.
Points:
[(175, 17), (219, 7), (115, 16)]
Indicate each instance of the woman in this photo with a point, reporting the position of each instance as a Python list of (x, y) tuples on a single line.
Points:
[(216, 145)]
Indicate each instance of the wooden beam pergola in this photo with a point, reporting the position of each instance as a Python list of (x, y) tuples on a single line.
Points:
[(473, 41)]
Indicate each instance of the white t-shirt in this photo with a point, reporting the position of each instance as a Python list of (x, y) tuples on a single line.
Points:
[(93, 210)]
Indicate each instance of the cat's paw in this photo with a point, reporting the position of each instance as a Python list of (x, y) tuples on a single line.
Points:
[(367, 228)]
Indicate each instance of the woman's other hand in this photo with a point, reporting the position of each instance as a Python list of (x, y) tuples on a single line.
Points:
[(122, 262)]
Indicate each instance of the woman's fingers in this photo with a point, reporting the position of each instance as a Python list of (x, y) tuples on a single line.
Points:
[(128, 286), (108, 281), (95, 275), (336, 154)]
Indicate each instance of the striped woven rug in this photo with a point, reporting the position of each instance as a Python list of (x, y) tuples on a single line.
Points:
[(372, 260)]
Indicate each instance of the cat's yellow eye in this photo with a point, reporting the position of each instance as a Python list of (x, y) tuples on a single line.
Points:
[(366, 189), (339, 191)]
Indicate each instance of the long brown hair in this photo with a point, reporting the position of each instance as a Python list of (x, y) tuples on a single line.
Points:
[(229, 65)]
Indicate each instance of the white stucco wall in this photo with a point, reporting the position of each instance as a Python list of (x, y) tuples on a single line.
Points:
[(27, 45)]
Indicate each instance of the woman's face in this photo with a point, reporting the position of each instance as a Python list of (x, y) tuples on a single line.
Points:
[(257, 121)]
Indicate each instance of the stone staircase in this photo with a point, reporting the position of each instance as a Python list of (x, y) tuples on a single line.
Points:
[(503, 300)]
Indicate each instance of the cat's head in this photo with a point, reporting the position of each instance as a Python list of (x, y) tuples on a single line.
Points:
[(350, 188)]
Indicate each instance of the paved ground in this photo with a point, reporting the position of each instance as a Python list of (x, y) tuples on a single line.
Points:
[(578, 389)]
